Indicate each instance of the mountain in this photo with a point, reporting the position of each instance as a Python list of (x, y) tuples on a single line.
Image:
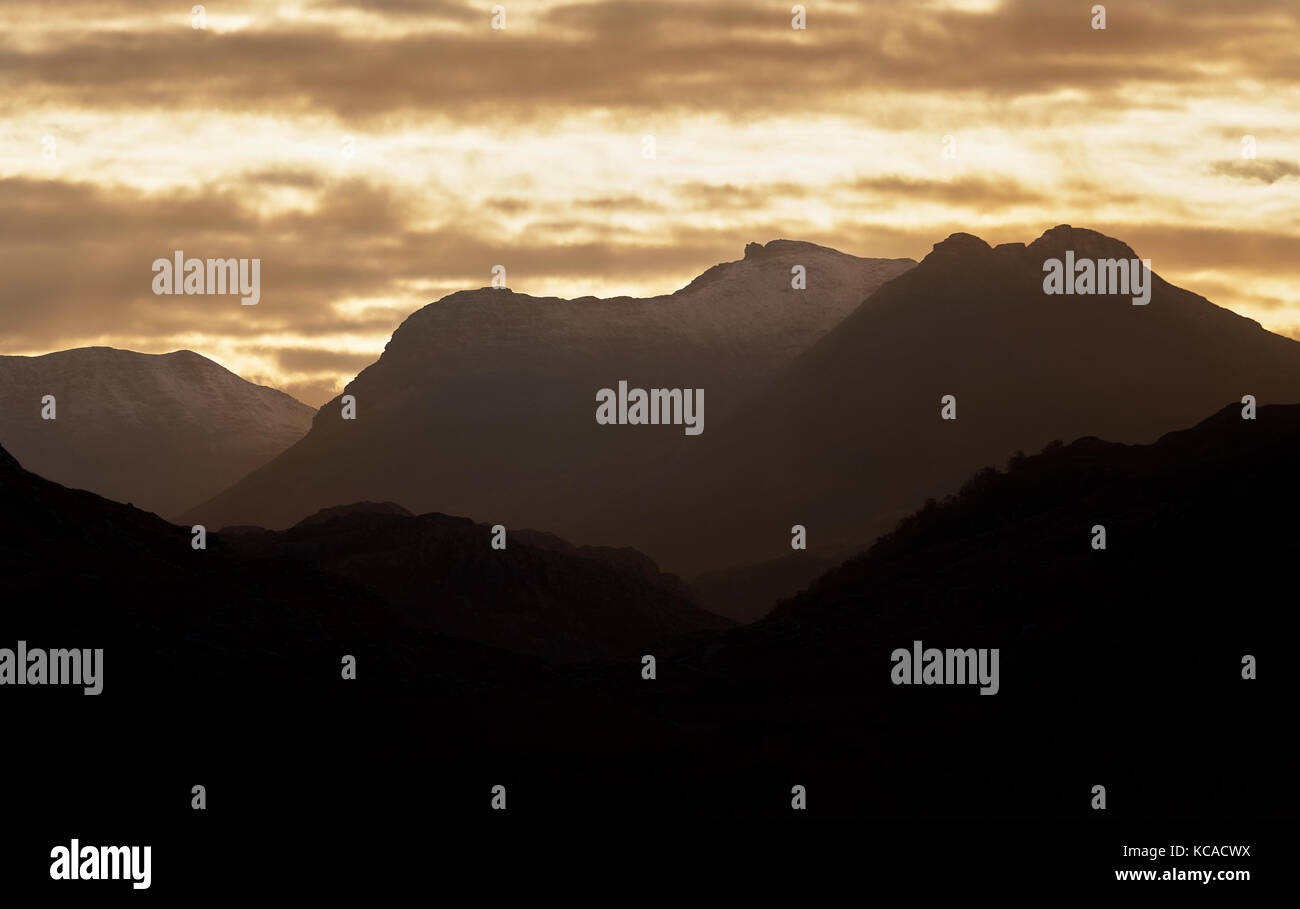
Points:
[(850, 437), (161, 431), (539, 596), (240, 647), (205, 629), (1120, 666), (1134, 650), (484, 403)]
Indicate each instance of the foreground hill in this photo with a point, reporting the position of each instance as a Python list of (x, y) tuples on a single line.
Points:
[(540, 595), (225, 668), (1121, 667)]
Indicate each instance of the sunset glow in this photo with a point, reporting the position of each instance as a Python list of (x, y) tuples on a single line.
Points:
[(377, 159)]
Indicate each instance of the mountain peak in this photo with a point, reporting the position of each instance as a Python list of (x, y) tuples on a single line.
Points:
[(187, 354), (781, 247), (1085, 243), (960, 245), (338, 511), (961, 248)]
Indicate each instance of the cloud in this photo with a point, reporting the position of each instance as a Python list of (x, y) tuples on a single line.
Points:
[(1265, 170), (1174, 247), (713, 196), (284, 176), (640, 57), (313, 392), (317, 360), (77, 258), (432, 9), (979, 191)]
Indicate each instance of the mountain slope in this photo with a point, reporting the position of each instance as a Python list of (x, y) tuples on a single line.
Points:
[(161, 431), (484, 403)]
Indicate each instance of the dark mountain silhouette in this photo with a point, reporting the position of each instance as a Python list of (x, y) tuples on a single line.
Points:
[(850, 438), (338, 511), (433, 573), (134, 580), (484, 403), (540, 595), (224, 669), (624, 559), (161, 431), (1121, 667), (845, 440)]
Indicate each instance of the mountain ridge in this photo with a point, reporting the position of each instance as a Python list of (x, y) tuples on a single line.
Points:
[(844, 438), (467, 379)]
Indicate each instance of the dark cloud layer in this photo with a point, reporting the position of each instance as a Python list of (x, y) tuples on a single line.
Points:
[(638, 56)]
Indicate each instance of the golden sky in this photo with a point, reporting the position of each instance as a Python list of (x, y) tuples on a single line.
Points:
[(378, 155)]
